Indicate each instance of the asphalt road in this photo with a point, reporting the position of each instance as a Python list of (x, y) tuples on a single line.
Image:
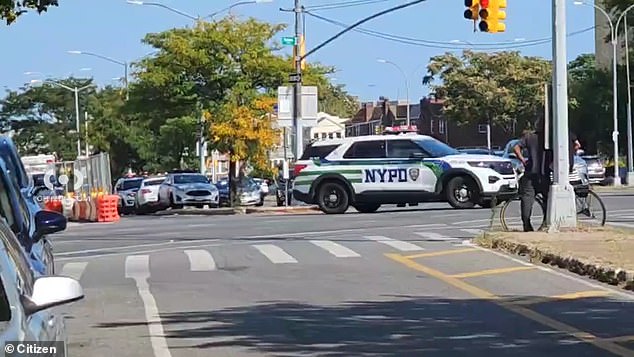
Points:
[(402, 282)]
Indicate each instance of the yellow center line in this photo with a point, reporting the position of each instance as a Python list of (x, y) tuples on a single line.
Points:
[(582, 294), (441, 253), (491, 272), (520, 310)]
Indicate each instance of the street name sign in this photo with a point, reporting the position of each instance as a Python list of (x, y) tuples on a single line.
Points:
[(289, 41)]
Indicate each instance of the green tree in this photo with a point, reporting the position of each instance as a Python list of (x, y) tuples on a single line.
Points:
[(505, 88), (10, 10), (43, 117)]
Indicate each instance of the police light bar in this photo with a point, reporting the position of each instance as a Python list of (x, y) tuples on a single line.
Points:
[(400, 129)]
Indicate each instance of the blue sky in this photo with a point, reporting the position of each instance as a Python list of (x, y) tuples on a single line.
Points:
[(114, 28)]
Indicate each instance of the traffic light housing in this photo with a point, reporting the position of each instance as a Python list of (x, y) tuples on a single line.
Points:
[(473, 9), (492, 14)]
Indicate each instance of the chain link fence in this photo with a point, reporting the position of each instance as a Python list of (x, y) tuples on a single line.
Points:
[(84, 176)]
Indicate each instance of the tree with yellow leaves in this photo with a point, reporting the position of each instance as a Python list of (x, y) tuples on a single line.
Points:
[(245, 131)]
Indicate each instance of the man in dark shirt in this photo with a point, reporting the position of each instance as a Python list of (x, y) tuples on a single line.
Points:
[(536, 170)]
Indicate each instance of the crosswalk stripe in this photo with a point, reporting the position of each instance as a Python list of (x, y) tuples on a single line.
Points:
[(400, 245), (74, 270), (275, 254), (472, 231), (137, 266), (335, 249), (200, 260), (434, 236)]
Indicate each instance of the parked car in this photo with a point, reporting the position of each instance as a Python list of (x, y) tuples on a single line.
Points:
[(147, 196), (126, 188), (596, 169), (25, 197), (578, 176), (27, 299), (182, 188), (250, 192)]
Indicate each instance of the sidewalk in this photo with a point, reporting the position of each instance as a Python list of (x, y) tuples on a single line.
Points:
[(604, 254)]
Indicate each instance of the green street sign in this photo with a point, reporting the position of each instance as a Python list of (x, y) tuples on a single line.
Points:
[(289, 41)]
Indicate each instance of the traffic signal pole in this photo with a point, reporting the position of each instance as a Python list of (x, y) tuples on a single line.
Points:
[(561, 212)]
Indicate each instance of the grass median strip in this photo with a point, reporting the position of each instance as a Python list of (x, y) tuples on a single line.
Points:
[(477, 292)]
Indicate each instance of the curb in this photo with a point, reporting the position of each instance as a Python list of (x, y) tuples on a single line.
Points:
[(238, 210), (605, 274)]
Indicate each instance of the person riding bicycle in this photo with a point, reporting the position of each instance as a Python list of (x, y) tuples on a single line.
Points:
[(538, 168)]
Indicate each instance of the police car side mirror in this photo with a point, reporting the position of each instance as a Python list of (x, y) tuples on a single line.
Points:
[(417, 155)]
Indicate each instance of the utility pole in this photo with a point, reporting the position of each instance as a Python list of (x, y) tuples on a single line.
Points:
[(76, 90), (561, 211), (201, 143), (86, 132), (297, 86)]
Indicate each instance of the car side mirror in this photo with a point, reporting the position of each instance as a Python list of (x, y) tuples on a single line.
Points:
[(51, 291), (48, 222), (417, 155)]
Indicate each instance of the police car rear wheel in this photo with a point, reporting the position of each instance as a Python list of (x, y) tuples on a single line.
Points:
[(460, 192), (333, 198)]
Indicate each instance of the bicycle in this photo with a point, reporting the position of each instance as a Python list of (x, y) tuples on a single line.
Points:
[(583, 197)]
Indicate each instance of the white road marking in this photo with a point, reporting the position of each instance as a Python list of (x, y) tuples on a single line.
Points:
[(106, 249), (335, 249), (621, 224), (472, 231), (400, 245), (74, 270), (201, 225), (275, 254), (435, 236), (137, 267), (200, 260)]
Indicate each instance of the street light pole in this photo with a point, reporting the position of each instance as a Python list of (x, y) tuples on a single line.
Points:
[(561, 210), (75, 91), (297, 86), (109, 59), (406, 84), (630, 150)]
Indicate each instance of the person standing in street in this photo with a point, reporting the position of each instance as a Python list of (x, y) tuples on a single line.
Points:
[(536, 170)]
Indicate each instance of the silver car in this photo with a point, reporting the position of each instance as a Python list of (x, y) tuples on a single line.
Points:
[(187, 189)]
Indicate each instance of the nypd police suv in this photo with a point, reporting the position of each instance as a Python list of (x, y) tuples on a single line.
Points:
[(366, 172)]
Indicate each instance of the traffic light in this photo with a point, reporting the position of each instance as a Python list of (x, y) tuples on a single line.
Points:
[(473, 9), (491, 14)]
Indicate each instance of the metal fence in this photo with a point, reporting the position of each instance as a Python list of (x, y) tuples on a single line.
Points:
[(85, 175)]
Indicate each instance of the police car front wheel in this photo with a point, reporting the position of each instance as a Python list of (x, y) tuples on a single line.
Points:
[(333, 198), (461, 192)]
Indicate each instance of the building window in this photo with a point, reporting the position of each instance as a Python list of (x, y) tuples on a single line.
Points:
[(330, 136), (324, 135), (441, 126), (338, 135), (316, 136), (431, 129), (482, 128)]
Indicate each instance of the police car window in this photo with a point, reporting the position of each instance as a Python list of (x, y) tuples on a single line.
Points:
[(402, 149), (437, 148), (318, 151), (366, 150)]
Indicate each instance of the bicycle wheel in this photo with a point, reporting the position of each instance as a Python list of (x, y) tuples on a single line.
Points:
[(510, 215), (587, 214)]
